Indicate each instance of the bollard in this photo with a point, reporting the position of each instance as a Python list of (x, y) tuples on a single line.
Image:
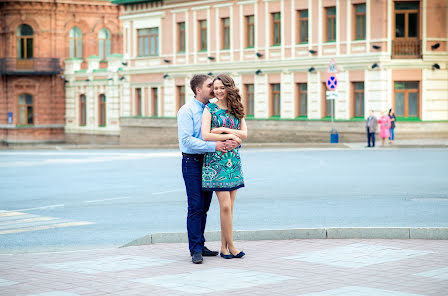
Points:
[(334, 137)]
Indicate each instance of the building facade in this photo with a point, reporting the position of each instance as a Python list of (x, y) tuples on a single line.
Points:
[(35, 39), (386, 53)]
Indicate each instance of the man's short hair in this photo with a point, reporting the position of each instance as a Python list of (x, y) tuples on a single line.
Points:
[(198, 81)]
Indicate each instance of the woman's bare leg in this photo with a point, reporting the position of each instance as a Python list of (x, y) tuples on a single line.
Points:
[(225, 206)]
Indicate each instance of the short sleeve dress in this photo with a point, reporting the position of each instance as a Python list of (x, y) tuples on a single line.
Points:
[(222, 171)]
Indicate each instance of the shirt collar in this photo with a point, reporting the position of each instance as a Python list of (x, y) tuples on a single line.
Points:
[(199, 103)]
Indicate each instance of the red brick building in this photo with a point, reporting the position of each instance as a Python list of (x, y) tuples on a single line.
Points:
[(35, 39)]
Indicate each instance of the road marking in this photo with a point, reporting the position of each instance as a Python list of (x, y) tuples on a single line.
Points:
[(41, 208), (27, 220), (8, 214), (44, 227), (169, 191), (106, 199), (25, 223)]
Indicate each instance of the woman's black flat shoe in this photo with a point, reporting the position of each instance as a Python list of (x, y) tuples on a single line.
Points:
[(228, 256), (239, 255)]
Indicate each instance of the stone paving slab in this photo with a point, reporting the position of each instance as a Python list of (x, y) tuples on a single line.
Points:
[(307, 267)]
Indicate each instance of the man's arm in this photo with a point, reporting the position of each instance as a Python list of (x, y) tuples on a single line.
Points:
[(185, 133)]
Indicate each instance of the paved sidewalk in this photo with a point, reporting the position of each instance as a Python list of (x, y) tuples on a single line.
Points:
[(281, 267)]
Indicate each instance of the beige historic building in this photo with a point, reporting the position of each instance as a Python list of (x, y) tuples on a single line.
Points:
[(386, 53)]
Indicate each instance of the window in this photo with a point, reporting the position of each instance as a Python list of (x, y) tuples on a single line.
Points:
[(75, 43), (104, 43), (181, 30), (275, 99), (360, 22), (276, 29), (155, 101), (406, 99), (102, 110), (203, 35), (82, 110), (26, 114), (25, 42), (250, 95), (138, 102), (327, 104), (180, 96), (331, 24), (358, 96), (406, 42), (303, 98), (148, 42), (406, 19), (302, 26), (250, 25), (225, 33), (154, 41)]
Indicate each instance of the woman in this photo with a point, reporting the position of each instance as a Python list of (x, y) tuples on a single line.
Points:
[(384, 122), (392, 125), (221, 171)]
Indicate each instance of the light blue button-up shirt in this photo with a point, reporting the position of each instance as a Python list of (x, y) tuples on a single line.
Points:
[(189, 121)]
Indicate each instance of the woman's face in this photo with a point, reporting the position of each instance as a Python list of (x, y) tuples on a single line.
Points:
[(219, 90)]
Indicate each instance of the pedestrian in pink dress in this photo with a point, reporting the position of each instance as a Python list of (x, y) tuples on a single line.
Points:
[(384, 122)]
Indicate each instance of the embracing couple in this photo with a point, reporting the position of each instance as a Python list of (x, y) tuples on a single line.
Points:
[(209, 137)]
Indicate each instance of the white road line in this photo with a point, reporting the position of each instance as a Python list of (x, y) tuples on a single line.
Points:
[(169, 191), (102, 158), (106, 199), (44, 227), (19, 221), (41, 208)]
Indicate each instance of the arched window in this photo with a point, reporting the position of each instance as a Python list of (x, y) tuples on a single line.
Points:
[(102, 110), (82, 111), (26, 114), (75, 43), (25, 42), (104, 43)]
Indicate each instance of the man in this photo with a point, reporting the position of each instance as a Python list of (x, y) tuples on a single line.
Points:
[(371, 125), (189, 120)]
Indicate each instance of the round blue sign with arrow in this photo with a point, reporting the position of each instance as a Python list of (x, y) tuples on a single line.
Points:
[(332, 82)]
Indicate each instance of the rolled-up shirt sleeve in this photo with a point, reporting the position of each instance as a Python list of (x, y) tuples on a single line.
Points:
[(186, 135)]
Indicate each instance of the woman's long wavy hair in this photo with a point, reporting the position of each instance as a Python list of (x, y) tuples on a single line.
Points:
[(234, 103)]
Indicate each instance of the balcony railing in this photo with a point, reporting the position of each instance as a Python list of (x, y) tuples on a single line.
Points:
[(36, 66), (406, 49)]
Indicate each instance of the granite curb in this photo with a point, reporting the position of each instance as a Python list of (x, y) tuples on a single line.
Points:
[(428, 233)]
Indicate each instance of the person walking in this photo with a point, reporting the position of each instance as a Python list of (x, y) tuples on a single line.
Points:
[(392, 125), (193, 148), (384, 122), (371, 124), (221, 171)]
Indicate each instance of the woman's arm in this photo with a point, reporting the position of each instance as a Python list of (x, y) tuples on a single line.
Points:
[(205, 130), (241, 133)]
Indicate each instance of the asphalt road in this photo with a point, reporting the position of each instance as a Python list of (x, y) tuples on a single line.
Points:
[(71, 199)]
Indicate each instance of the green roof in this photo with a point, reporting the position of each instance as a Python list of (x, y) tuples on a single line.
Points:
[(132, 1)]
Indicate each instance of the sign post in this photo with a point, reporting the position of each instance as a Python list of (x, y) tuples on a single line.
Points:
[(332, 84)]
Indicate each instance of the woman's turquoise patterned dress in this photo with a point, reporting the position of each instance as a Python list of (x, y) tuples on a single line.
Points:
[(222, 170)]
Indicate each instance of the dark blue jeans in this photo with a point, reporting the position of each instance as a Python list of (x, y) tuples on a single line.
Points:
[(198, 201), (370, 138)]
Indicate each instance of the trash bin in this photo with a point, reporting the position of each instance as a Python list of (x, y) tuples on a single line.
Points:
[(334, 137)]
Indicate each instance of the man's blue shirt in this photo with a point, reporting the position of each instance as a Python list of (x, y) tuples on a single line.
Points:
[(189, 121)]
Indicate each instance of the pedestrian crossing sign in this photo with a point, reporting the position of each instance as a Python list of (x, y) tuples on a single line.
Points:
[(332, 68)]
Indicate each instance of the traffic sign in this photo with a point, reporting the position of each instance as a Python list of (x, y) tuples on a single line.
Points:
[(332, 95), (332, 68), (332, 82)]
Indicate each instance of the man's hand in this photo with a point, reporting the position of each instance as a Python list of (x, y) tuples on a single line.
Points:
[(221, 146), (231, 144)]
